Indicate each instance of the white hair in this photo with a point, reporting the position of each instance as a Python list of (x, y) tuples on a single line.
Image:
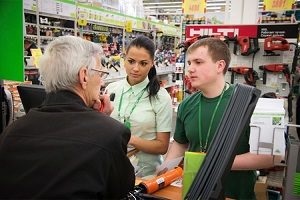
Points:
[(62, 60)]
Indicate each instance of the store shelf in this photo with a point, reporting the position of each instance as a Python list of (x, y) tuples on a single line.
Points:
[(93, 32), (276, 11), (164, 72), (169, 85), (30, 11), (113, 79), (29, 68), (103, 24), (55, 16), (31, 24), (47, 37), (56, 27), (31, 36)]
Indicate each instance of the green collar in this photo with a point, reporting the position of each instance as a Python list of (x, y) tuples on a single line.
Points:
[(136, 89)]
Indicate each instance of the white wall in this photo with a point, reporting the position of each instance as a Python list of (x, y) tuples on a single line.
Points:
[(243, 12)]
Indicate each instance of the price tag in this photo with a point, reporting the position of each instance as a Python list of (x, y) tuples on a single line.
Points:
[(36, 54), (191, 7), (273, 5), (82, 22), (82, 18), (128, 26)]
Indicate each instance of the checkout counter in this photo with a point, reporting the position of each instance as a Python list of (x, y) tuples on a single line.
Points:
[(169, 192)]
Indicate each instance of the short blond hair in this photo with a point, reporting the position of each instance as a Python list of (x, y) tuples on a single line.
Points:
[(217, 49)]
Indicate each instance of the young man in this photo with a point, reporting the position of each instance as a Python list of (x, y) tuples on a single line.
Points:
[(65, 149), (199, 115)]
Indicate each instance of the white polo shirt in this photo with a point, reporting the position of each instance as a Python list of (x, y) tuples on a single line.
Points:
[(146, 119)]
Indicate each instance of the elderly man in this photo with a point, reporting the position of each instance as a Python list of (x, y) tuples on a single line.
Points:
[(65, 148)]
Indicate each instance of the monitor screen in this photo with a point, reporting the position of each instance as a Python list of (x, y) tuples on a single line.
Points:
[(31, 96)]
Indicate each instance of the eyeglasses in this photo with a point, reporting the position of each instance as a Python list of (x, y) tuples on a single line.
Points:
[(103, 74)]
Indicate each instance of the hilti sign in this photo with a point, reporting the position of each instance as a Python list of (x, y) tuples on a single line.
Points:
[(230, 31), (210, 31)]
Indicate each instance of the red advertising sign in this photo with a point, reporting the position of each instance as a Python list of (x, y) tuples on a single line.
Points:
[(224, 30)]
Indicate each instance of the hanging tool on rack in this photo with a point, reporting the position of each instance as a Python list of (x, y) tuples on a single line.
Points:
[(280, 68), (277, 68), (274, 43), (114, 61), (185, 45), (250, 75), (247, 45)]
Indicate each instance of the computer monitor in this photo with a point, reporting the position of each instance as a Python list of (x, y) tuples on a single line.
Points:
[(31, 96)]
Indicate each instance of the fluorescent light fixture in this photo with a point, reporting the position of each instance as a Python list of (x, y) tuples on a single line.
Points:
[(166, 13), (214, 8), (214, 1), (178, 6), (172, 9), (159, 3), (84, 1), (215, 4)]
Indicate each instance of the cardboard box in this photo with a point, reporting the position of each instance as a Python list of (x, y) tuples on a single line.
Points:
[(260, 188), (268, 127)]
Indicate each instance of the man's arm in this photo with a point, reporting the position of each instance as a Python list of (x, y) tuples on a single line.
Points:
[(176, 150), (250, 161)]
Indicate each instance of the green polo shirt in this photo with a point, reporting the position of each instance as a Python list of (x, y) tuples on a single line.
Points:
[(238, 184), (146, 119)]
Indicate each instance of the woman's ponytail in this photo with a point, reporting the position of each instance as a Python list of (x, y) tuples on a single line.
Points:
[(153, 85)]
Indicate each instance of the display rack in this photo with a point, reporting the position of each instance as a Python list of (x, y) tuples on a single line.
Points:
[(46, 20)]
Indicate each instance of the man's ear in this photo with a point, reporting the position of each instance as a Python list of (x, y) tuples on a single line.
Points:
[(221, 65), (83, 77)]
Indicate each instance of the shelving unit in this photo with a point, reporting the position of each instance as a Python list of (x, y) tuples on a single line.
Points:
[(95, 16), (279, 16)]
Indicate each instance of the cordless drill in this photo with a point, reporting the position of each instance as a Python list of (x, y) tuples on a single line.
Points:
[(250, 75), (277, 68), (247, 45)]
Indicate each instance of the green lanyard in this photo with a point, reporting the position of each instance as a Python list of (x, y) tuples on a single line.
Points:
[(126, 119), (204, 149)]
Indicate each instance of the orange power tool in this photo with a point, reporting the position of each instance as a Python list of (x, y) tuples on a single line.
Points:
[(185, 45), (278, 68), (275, 43), (250, 75), (247, 45)]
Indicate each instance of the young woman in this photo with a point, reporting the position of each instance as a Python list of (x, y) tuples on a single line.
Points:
[(143, 106)]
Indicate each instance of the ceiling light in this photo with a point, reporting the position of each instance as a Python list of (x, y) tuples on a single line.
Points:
[(215, 4), (214, 1), (158, 3), (173, 9), (214, 8), (178, 6)]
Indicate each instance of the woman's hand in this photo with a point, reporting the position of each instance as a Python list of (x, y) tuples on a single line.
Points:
[(132, 140)]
